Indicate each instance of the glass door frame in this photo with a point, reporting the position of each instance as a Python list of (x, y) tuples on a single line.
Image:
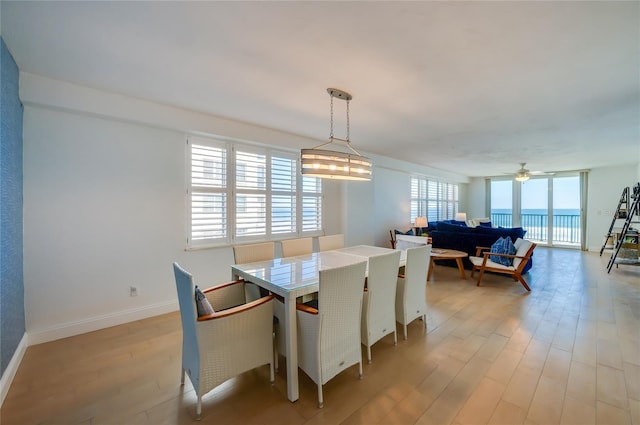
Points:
[(517, 205)]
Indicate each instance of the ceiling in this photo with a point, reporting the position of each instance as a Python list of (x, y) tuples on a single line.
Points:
[(469, 87)]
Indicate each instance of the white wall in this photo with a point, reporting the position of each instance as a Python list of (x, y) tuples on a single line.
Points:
[(477, 198), (104, 193), (391, 206), (104, 206), (605, 187)]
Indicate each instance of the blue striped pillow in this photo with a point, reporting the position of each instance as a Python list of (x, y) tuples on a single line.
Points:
[(502, 246)]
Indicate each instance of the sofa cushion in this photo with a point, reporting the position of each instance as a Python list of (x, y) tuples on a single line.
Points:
[(521, 250), (455, 228), (475, 222), (513, 232)]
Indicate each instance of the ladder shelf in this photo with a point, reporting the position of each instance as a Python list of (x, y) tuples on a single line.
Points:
[(628, 242)]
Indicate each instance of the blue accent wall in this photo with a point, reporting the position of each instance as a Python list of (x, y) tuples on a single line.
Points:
[(12, 320)]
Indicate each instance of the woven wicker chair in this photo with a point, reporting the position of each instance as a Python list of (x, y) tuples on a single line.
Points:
[(326, 243), (411, 296), (378, 303), (236, 338), (293, 247), (251, 253), (329, 336)]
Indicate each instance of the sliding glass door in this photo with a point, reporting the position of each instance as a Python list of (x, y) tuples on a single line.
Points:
[(547, 207), (534, 215), (567, 220), (502, 203)]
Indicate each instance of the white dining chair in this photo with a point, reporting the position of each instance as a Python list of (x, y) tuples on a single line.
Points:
[(293, 247), (251, 253), (329, 242), (329, 336), (378, 303), (411, 293)]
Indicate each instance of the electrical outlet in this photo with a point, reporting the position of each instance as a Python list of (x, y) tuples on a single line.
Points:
[(133, 291)]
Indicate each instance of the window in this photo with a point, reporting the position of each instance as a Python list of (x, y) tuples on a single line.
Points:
[(208, 192), (550, 209), (311, 204), (251, 187), (245, 193), (433, 199)]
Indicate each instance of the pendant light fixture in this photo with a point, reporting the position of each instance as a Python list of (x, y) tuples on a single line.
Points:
[(332, 164)]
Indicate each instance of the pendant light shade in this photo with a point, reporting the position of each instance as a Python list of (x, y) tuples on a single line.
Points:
[(347, 164)]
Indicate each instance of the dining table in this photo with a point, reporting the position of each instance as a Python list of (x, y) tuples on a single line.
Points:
[(294, 277)]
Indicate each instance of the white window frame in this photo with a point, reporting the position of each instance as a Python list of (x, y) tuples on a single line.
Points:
[(231, 192)]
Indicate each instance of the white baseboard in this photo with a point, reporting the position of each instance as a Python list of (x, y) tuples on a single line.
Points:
[(38, 336), (12, 368)]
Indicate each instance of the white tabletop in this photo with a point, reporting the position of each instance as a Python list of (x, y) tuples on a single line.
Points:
[(372, 251), (295, 276)]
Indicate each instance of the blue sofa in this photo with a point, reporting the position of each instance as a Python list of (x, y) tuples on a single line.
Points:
[(457, 235)]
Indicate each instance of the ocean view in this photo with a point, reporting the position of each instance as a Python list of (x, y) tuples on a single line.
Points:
[(565, 225), (560, 211)]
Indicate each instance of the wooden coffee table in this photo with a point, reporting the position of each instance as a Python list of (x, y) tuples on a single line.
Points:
[(447, 254)]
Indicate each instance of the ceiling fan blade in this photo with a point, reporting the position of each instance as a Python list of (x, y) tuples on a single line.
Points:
[(541, 173)]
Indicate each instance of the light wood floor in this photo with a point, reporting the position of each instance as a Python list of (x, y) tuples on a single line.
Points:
[(568, 352)]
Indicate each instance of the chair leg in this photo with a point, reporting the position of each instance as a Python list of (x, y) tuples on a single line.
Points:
[(199, 408), (473, 270), (521, 279), (272, 378), (369, 354), (360, 369), (395, 338), (320, 401), (424, 320), (480, 277), (405, 331), (275, 354)]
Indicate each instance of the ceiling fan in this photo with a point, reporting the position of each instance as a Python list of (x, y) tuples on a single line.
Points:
[(522, 175)]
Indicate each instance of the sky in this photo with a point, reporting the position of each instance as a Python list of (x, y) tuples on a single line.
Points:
[(566, 193)]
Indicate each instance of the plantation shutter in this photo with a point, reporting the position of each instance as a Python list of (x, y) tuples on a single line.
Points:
[(283, 195), (251, 194), (208, 190)]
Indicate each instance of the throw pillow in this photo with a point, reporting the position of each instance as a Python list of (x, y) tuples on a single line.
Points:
[(408, 232), (496, 248), (202, 303), (502, 246), (485, 224)]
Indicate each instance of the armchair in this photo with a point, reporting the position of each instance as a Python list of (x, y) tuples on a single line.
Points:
[(235, 338), (482, 263)]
